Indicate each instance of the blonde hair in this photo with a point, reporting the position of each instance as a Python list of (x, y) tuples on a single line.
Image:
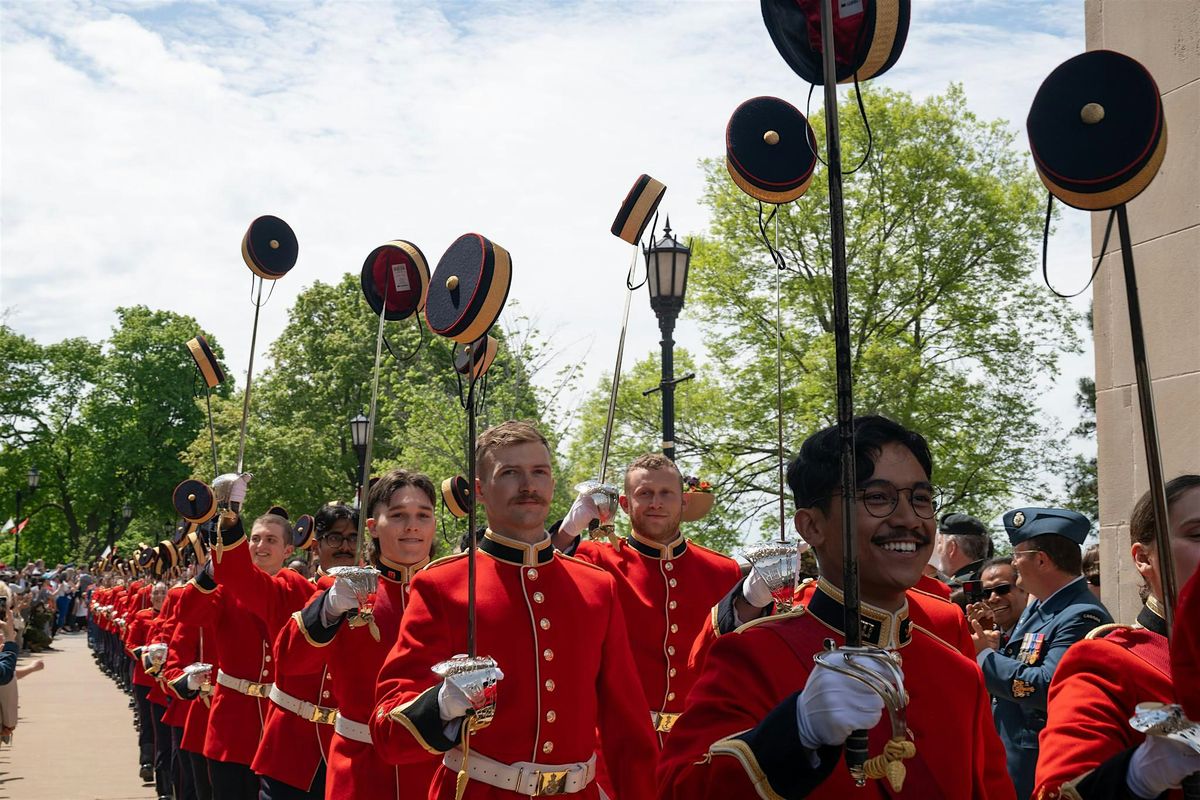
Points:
[(507, 434), (652, 462)]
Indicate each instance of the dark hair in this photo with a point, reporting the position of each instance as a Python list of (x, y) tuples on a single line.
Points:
[(1141, 521), (1091, 561), (998, 561), (329, 515), (384, 487), (815, 473), (1063, 552)]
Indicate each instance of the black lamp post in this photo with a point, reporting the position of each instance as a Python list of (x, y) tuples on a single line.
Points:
[(666, 276), (360, 427), (33, 477), (127, 513)]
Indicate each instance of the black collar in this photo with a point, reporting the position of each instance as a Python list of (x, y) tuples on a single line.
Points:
[(513, 551), (1151, 616), (969, 572), (652, 549), (400, 573), (879, 628)]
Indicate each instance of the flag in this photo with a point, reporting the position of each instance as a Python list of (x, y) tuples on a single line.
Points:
[(8, 526), (107, 552), (21, 527)]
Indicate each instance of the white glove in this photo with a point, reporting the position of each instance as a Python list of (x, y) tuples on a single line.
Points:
[(340, 599), (195, 680), (582, 512), (755, 591), (453, 702), (237, 493), (833, 705), (1160, 764)]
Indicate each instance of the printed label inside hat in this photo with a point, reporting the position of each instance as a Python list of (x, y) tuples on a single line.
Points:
[(849, 8), (400, 277)]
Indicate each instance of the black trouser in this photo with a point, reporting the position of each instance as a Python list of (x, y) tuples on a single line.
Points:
[(181, 773), (274, 789), (162, 751), (232, 781), (145, 726), (197, 764)]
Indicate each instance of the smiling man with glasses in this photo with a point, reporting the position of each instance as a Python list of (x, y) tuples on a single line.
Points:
[(1047, 557)]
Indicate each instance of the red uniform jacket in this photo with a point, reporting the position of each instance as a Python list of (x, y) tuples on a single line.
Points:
[(291, 749), (190, 644), (355, 769), (1185, 648), (555, 627), (666, 594), (1084, 750), (738, 737), (164, 631), (136, 633)]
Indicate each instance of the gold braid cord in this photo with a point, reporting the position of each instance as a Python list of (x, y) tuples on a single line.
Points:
[(890, 765), (460, 782), (365, 616)]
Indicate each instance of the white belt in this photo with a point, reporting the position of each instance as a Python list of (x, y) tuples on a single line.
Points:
[(248, 688), (302, 708), (357, 731), (525, 777)]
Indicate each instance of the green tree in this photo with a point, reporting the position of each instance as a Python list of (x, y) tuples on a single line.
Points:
[(298, 441), (1081, 475), (949, 332)]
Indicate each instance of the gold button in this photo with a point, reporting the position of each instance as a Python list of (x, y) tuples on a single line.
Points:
[(548, 747), (325, 694), (668, 566), (671, 672), (548, 654), (531, 574), (267, 659), (672, 605), (674, 628), (549, 686), (672, 583), (265, 673), (545, 623), (671, 650), (551, 716), (538, 597), (670, 695)]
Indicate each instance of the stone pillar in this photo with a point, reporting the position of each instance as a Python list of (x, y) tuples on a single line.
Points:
[(1164, 221)]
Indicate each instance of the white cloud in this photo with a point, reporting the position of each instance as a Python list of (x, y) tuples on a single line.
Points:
[(140, 139)]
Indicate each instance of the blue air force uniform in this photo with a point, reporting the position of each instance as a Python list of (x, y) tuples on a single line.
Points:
[(1018, 676)]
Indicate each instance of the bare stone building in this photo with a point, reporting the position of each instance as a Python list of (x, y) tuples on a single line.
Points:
[(1164, 35)]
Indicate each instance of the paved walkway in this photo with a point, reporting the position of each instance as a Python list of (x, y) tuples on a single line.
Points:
[(75, 738)]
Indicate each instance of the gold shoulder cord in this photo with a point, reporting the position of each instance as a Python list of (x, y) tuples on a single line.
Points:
[(460, 781)]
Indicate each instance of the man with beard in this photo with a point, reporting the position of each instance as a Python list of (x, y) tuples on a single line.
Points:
[(762, 719), (553, 625), (329, 631), (667, 584)]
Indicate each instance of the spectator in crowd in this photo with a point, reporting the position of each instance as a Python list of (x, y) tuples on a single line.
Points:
[(961, 546), (1091, 568), (1048, 561), (1003, 599), (8, 655)]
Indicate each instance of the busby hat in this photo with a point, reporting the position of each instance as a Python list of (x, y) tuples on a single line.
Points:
[(1023, 524), (468, 288), (637, 209), (868, 36), (770, 150), (395, 279), (1097, 130), (269, 248)]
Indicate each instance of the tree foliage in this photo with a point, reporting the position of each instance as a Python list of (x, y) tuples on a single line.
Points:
[(949, 332)]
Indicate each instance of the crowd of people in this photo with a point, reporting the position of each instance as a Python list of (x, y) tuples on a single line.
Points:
[(647, 666)]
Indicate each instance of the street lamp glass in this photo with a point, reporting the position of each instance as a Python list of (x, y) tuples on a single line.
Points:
[(127, 511), (34, 477), (358, 430), (667, 263)]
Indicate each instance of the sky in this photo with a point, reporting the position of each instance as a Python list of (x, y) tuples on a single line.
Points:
[(138, 139)]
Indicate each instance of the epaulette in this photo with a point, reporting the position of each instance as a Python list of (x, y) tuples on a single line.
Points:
[(945, 600), (1104, 630), (799, 611), (444, 560), (580, 561)]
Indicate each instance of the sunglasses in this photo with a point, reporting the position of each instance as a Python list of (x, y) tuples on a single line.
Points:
[(1000, 589)]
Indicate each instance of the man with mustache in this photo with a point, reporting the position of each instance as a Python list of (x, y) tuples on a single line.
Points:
[(763, 720), (555, 628), (667, 584)]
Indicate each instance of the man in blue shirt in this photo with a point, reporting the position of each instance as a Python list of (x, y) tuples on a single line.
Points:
[(1047, 556)]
